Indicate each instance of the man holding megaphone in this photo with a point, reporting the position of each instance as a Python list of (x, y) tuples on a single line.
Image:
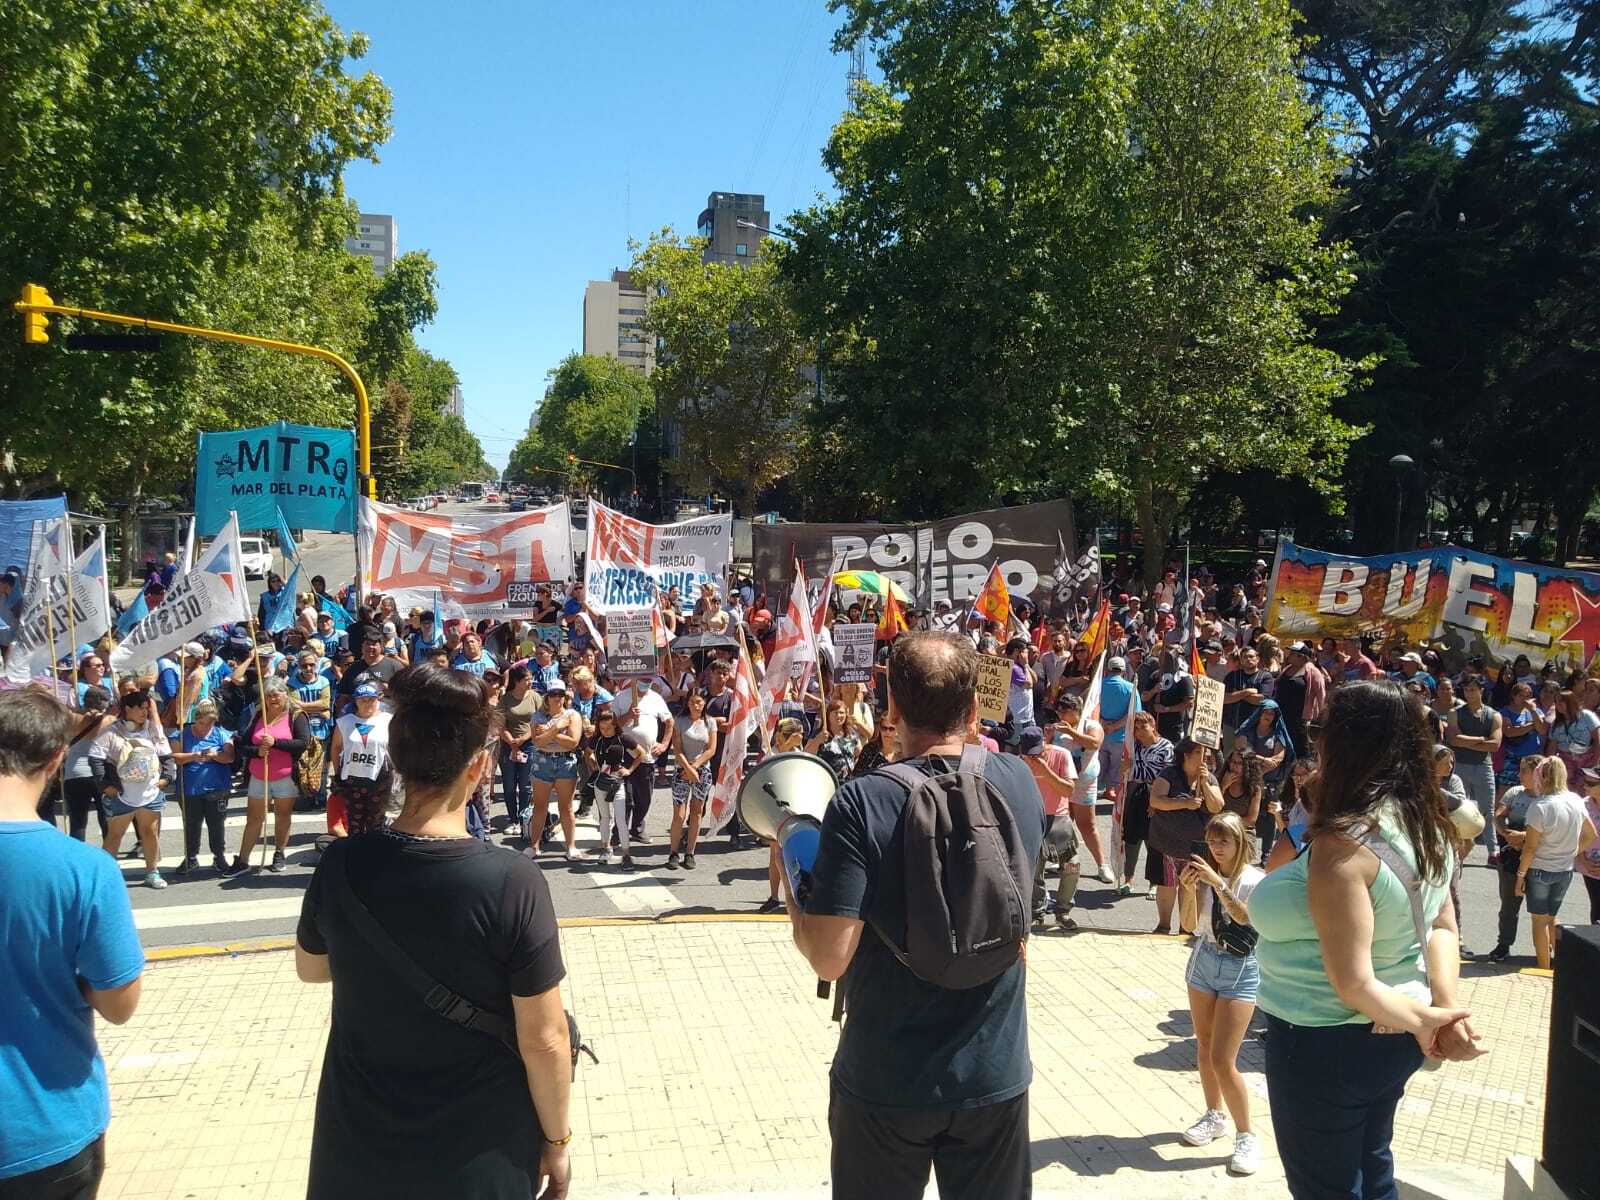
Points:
[(919, 903)]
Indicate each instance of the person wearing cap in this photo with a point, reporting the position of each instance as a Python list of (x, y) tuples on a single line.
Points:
[(314, 694), (363, 774), (1119, 700), (1056, 776), (1301, 691), (1412, 667), (205, 757), (557, 731)]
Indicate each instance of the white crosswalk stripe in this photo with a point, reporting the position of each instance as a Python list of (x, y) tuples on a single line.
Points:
[(219, 912)]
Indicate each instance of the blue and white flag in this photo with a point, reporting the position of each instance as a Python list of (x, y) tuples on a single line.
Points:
[(286, 540), (132, 615), (67, 607), (280, 615), (212, 594), (341, 615)]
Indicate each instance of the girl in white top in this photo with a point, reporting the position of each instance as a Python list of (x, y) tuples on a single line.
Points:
[(1223, 982), (1558, 830), (127, 756)]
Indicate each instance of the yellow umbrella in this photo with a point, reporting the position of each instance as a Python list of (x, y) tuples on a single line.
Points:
[(870, 582)]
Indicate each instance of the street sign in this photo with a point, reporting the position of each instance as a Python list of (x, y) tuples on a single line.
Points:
[(141, 343)]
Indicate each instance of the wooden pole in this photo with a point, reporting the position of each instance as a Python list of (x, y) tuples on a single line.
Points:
[(261, 715)]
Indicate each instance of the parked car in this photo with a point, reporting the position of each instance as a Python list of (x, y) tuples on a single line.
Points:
[(257, 557), (517, 504), (491, 497)]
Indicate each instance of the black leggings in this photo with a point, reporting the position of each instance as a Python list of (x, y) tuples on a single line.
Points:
[(81, 798), (1592, 886)]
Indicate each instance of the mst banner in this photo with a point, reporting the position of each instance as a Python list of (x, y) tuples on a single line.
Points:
[(488, 565), (937, 560), (1472, 603), (628, 559), (308, 472)]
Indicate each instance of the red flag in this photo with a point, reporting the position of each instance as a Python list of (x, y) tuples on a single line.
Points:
[(744, 718), (1041, 636), (1098, 635), (994, 601)]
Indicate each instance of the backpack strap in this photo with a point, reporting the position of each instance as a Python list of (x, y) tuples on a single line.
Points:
[(435, 996), (973, 759), (1407, 875)]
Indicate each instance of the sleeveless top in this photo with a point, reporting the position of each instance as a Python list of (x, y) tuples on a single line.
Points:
[(279, 763), (1294, 983), (1474, 724), (364, 746)]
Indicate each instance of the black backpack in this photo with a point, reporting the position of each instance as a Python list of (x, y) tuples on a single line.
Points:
[(963, 875)]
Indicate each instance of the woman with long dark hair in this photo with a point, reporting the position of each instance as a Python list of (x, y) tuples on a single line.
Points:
[(413, 1100), (1358, 948)]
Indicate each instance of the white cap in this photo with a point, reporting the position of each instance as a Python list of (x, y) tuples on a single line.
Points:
[(193, 650), (1117, 663)]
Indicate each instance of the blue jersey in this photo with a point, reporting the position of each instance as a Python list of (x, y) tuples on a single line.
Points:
[(310, 691)]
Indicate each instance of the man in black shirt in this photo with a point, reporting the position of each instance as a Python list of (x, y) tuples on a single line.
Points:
[(923, 1076), (373, 664), (1245, 688)]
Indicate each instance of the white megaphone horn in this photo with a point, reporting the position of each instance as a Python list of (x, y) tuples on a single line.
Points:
[(782, 800)]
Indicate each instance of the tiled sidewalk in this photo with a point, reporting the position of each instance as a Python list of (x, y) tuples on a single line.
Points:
[(713, 1074)]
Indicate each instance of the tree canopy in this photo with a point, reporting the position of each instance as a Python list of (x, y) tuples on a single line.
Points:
[(591, 409)]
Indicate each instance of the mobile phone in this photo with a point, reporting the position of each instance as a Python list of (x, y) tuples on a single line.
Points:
[(1201, 851)]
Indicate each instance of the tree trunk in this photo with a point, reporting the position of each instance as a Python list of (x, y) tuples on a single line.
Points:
[(130, 525), (1156, 513)]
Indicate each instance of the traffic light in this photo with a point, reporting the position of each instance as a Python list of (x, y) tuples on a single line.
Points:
[(572, 460), (35, 325)]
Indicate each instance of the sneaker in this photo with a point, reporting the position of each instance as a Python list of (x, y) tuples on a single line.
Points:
[(1065, 922), (1246, 1155), (513, 830), (627, 862), (152, 879), (770, 904), (673, 862), (688, 862), (279, 863), (238, 867), (573, 855), (604, 858), (1207, 1129), (1038, 919), (1494, 858), (1500, 953), (638, 835), (1124, 889), (1104, 875), (220, 865), (187, 865)]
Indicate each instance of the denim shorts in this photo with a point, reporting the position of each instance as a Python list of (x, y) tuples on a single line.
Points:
[(1545, 890), (547, 768), (1231, 976), (113, 806)]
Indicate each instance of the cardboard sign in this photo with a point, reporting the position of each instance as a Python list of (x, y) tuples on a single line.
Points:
[(994, 687), (855, 648), (630, 642), (1207, 723)]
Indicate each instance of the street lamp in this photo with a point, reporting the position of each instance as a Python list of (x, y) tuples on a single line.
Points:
[(1399, 464), (744, 224)]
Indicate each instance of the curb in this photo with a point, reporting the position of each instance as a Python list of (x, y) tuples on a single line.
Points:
[(264, 945)]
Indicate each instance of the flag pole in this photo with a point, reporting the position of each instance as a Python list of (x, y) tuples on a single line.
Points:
[(261, 715)]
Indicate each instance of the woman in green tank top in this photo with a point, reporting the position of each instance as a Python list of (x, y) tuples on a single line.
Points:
[(1354, 1000)]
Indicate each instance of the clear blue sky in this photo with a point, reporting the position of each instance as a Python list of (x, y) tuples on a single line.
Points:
[(532, 139)]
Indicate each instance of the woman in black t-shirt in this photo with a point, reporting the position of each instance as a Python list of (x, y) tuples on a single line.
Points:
[(412, 1103)]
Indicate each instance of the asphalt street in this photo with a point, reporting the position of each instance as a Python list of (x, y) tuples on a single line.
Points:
[(207, 909)]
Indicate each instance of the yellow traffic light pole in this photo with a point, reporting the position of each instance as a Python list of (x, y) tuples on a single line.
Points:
[(36, 304)]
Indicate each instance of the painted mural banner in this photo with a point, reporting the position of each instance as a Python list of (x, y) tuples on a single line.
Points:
[(308, 472), (1462, 601), (935, 560), (479, 565)]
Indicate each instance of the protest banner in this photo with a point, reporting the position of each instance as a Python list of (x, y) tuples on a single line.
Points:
[(1206, 725), (307, 472), (630, 641), (994, 687), (854, 647), (629, 561), (62, 612), (1461, 601), (476, 565), (17, 518), (210, 595), (936, 560)]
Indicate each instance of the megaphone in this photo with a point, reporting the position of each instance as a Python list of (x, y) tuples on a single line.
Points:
[(783, 799)]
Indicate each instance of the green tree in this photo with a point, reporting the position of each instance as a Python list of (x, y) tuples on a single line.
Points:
[(591, 409), (732, 369), (1071, 251)]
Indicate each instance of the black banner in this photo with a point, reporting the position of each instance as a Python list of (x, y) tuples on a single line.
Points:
[(933, 561)]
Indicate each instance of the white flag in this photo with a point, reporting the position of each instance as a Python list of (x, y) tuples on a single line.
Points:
[(210, 595), (49, 552), (67, 608), (793, 644), (744, 718), (186, 562)]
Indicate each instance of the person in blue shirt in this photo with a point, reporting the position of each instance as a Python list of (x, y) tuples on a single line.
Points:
[(70, 951), (1119, 700), (169, 676), (472, 657), (546, 670), (578, 637), (205, 755), (333, 640), (315, 693), (423, 639)]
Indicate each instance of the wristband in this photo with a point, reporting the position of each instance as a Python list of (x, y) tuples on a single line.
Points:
[(559, 1141)]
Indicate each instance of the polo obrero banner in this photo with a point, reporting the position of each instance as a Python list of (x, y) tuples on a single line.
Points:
[(1470, 603)]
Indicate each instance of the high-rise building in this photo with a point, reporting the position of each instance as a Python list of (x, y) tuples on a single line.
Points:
[(456, 406), (728, 240), (376, 238), (613, 322)]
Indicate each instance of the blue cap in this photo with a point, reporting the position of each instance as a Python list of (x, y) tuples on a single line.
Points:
[(367, 688)]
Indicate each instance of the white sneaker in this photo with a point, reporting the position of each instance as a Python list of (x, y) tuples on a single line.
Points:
[(1207, 1129), (605, 858), (1105, 874), (1246, 1155), (513, 830), (153, 879)]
